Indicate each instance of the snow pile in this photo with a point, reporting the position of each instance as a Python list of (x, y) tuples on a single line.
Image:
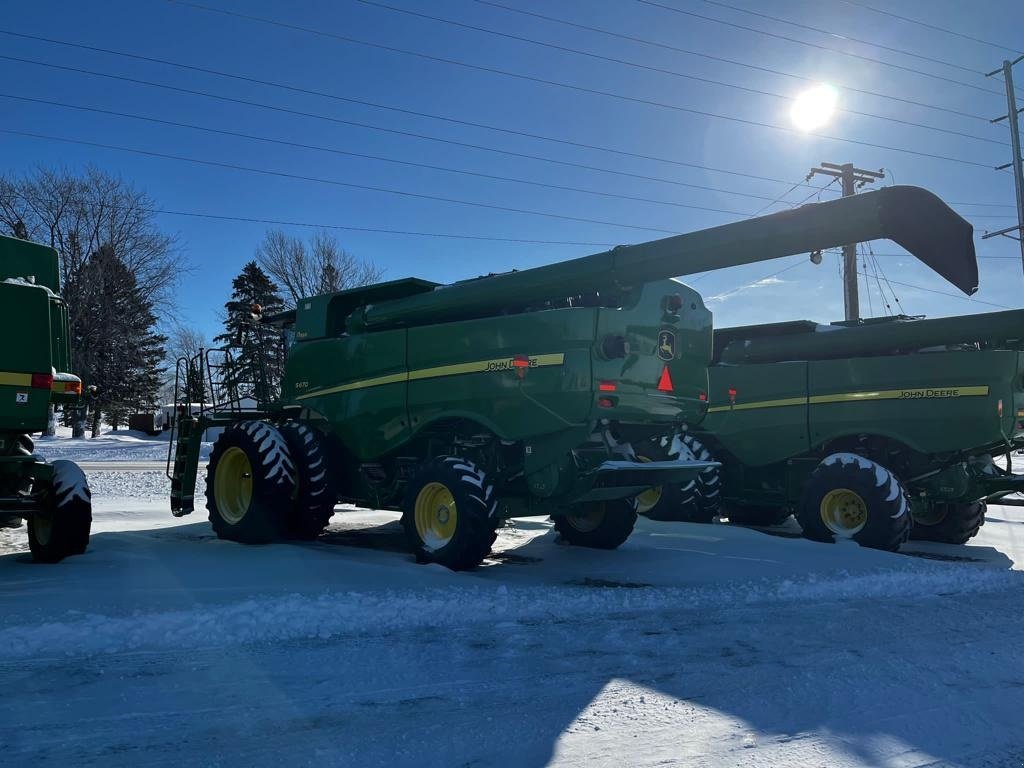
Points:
[(335, 615), (118, 446)]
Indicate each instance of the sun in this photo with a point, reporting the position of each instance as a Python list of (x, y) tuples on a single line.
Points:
[(814, 107)]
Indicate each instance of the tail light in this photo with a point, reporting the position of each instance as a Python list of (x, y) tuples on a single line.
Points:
[(42, 380)]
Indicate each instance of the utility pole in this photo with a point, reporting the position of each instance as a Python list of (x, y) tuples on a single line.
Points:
[(1015, 153), (852, 179)]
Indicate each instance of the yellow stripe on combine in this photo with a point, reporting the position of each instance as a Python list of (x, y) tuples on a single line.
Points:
[(918, 393), (15, 379), (457, 369)]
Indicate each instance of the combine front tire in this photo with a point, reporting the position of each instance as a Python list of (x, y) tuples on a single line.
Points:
[(316, 493), (853, 497), (449, 514), (62, 528), (600, 525), (696, 501), (949, 523), (250, 483)]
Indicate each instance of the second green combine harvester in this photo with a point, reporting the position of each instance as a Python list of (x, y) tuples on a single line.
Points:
[(878, 430), (561, 390)]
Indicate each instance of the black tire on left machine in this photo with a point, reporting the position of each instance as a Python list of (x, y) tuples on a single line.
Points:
[(62, 528), (598, 524), (695, 501)]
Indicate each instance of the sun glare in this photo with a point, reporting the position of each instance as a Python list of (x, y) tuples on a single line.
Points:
[(814, 107)]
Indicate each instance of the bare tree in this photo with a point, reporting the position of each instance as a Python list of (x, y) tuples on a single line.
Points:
[(79, 214), (185, 342), (308, 269)]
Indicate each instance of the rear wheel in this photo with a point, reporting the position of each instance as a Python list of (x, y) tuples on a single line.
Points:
[(315, 494), (62, 528), (948, 522), (600, 524), (751, 514), (250, 483), (849, 496), (450, 514), (696, 501)]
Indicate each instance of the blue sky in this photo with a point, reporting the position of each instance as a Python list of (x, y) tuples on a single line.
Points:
[(216, 249)]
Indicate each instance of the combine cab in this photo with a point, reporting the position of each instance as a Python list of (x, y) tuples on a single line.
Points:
[(53, 497), (562, 390)]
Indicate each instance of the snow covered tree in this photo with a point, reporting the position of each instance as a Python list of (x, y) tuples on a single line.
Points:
[(120, 352), (257, 351)]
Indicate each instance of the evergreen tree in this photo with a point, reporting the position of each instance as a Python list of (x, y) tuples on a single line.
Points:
[(257, 351), (114, 327)]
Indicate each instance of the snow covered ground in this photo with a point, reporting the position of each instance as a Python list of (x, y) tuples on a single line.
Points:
[(691, 645)]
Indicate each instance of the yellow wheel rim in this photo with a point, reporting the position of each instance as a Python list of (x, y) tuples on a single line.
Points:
[(436, 516), (649, 499), (589, 519), (232, 485), (844, 512)]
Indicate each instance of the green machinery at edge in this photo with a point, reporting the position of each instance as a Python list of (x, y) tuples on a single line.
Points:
[(825, 421), (34, 360), (561, 390)]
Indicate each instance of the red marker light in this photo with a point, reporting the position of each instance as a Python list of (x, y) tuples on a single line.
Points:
[(521, 363), (42, 380), (703, 397), (605, 402), (732, 395), (606, 386), (665, 382)]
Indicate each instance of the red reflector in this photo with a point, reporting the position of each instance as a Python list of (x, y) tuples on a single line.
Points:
[(605, 402), (665, 382), (521, 361), (42, 380), (703, 397), (606, 386), (732, 392)]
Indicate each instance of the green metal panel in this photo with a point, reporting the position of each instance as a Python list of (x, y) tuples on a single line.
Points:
[(766, 420), (25, 313), (24, 259), (467, 370), (931, 402), (358, 384)]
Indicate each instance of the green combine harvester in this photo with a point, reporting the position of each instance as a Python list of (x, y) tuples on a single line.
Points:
[(878, 429), (562, 390), (53, 497)]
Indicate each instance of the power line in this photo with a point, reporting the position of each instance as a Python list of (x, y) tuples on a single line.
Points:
[(361, 155), (930, 26), (427, 137), (724, 60), (339, 183), (569, 86), (376, 230), (720, 296), (952, 295), (766, 33), (662, 70), (850, 38)]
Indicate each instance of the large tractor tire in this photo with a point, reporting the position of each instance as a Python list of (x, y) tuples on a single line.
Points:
[(250, 484), (752, 514), (599, 525), (62, 528), (949, 523), (850, 496), (697, 501), (450, 514), (316, 493)]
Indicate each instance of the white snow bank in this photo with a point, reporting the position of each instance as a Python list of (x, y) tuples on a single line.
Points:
[(121, 446), (344, 614)]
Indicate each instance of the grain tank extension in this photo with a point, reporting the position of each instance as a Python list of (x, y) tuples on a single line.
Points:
[(525, 393)]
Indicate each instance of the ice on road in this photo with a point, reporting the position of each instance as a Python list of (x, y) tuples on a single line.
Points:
[(691, 646)]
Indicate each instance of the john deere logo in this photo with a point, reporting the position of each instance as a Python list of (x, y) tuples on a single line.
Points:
[(666, 345)]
